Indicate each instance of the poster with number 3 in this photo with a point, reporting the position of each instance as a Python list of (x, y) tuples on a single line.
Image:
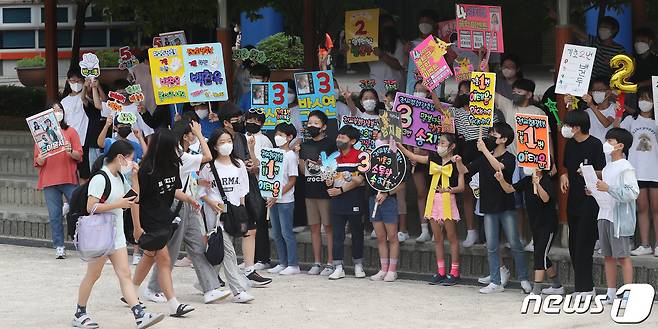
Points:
[(271, 98), (361, 35)]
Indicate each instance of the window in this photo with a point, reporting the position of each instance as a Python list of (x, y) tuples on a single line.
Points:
[(62, 15), (17, 39), (16, 15), (120, 37), (93, 38), (64, 39)]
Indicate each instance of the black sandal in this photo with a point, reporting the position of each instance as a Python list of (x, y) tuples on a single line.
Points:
[(182, 310), (140, 302)]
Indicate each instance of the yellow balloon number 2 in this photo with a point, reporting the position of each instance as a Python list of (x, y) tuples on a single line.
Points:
[(624, 67)]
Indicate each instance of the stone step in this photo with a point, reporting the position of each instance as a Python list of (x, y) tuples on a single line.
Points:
[(21, 193), (16, 138), (17, 161)]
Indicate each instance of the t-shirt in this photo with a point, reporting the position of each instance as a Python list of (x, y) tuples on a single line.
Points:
[(596, 128), (350, 202), (380, 71), (75, 115), (241, 146), (140, 124), (59, 168), (587, 152), (643, 154), (118, 190), (190, 163), (645, 67), (290, 169), (261, 142), (454, 177), (611, 175), (157, 195), (138, 148), (234, 180), (314, 186), (540, 213), (604, 52), (510, 110), (493, 198)]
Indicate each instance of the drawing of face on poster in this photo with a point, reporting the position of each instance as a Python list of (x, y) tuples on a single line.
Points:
[(35, 126), (258, 93), (303, 86)]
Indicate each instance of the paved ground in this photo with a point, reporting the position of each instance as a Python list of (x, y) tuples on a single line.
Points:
[(39, 292)]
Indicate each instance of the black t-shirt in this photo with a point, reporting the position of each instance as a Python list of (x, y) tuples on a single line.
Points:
[(156, 194), (314, 186), (94, 127), (454, 177), (540, 213), (587, 152), (645, 68), (493, 198), (241, 147)]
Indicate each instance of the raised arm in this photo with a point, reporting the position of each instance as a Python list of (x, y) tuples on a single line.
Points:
[(424, 159)]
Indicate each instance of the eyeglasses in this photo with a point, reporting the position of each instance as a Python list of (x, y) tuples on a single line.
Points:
[(257, 111)]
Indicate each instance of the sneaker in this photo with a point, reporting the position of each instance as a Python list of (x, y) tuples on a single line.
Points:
[(471, 238), (243, 297), (608, 301), (328, 269), (338, 273), (504, 276), (215, 295), (507, 245), (485, 280), (492, 288), (276, 269), (156, 297), (183, 262), (378, 277), (315, 269), (358, 271), (526, 286), (241, 266), (402, 236), (260, 266), (60, 253), (530, 247), (148, 320), (256, 280), (136, 259), (391, 276), (84, 321), (553, 291), (424, 237), (298, 229), (290, 270), (373, 235), (450, 280), (641, 251), (437, 279)]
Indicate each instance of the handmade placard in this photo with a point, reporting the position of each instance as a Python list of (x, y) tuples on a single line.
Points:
[(465, 63), (368, 128), (175, 38), (422, 123), (46, 132), (270, 176), (481, 104), (135, 94), (361, 35), (272, 99), (89, 66), (315, 91), (479, 27), (428, 56), (391, 125), (126, 59), (575, 70), (532, 141), (385, 169)]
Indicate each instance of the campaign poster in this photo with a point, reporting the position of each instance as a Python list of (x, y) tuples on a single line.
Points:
[(465, 63), (46, 132), (481, 99), (270, 176), (127, 61), (90, 66), (175, 38), (432, 66), (385, 169), (479, 27), (532, 140), (575, 70), (271, 98), (422, 123), (369, 128), (361, 35), (391, 125), (315, 91)]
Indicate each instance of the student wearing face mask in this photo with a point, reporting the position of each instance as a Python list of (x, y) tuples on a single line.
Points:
[(427, 19), (606, 47), (391, 56), (75, 102), (369, 104), (601, 107), (122, 128), (258, 73), (208, 119), (510, 68), (646, 61)]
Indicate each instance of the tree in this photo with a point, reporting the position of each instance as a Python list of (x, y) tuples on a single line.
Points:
[(81, 9)]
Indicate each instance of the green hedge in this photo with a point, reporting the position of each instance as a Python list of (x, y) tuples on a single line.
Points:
[(21, 102)]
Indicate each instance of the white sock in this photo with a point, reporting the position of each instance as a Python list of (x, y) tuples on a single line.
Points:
[(612, 293), (173, 305), (424, 229), (249, 269)]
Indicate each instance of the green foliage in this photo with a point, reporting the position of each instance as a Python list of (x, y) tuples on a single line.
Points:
[(108, 58), (21, 101), (36, 61), (282, 51)]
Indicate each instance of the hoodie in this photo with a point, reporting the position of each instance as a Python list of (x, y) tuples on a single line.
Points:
[(623, 190)]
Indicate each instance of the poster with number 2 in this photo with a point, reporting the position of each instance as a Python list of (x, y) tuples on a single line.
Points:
[(361, 35)]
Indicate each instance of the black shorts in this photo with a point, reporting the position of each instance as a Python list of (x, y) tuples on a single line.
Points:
[(647, 184), (83, 166)]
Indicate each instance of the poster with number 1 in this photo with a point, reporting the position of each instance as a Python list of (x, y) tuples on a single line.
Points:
[(272, 99), (532, 141), (361, 35), (270, 176)]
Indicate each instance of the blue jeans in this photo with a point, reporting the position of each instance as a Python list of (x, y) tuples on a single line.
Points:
[(492, 223), (281, 216), (53, 195)]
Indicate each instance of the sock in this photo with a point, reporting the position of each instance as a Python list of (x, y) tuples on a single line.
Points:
[(248, 269), (612, 293), (440, 267), (393, 265), (536, 289), (80, 311), (454, 270), (138, 311), (173, 305), (424, 229), (384, 263), (555, 282)]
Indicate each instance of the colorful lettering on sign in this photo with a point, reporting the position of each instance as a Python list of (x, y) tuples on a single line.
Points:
[(421, 122), (481, 105), (206, 77), (368, 129), (384, 170), (271, 172), (532, 141), (361, 35), (117, 96), (315, 91), (205, 50), (114, 106), (575, 70), (428, 56), (479, 27)]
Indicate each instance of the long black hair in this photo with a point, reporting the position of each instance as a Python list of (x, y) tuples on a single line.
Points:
[(212, 143), (378, 107), (162, 152), (62, 124), (74, 72)]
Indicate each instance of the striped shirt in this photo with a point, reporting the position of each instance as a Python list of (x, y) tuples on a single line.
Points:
[(604, 52), (464, 128)]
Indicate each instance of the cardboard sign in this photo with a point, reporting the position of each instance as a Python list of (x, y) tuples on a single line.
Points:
[(272, 99), (481, 105), (480, 27), (128, 118), (175, 38), (270, 176), (361, 35), (575, 70), (89, 66), (654, 89), (315, 91), (157, 42), (367, 127), (385, 169), (188, 73), (391, 125), (464, 64), (422, 123), (532, 140), (428, 56), (126, 59), (135, 94), (413, 75), (46, 132)]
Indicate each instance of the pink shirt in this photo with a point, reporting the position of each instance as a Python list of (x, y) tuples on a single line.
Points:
[(60, 168)]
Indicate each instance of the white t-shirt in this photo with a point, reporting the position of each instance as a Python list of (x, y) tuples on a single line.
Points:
[(380, 71), (261, 142), (190, 164), (290, 168), (75, 116), (610, 175), (510, 110), (118, 190), (234, 181), (140, 124), (643, 154), (597, 129)]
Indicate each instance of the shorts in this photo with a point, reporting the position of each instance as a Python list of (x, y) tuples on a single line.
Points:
[(401, 196), (611, 246), (387, 212), (438, 213), (317, 211), (647, 184)]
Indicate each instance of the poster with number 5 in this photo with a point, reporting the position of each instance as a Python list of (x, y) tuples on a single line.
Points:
[(361, 35), (315, 91), (532, 140), (272, 99), (270, 175)]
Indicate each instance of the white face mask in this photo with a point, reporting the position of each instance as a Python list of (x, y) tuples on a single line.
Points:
[(604, 33), (280, 140), (645, 106), (76, 87), (59, 116), (641, 47), (567, 132), (442, 150), (127, 168), (508, 73), (607, 148), (598, 96), (291, 98), (420, 94), (425, 28), (528, 171), (369, 104), (202, 114), (225, 149)]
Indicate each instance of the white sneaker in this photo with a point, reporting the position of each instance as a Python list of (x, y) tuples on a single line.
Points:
[(183, 262), (641, 251), (471, 238), (423, 237), (373, 235), (338, 273), (379, 276), (148, 320), (390, 276), (276, 269), (259, 266), (315, 269), (553, 291), (241, 266), (290, 270), (655, 253), (298, 229), (215, 295), (530, 247), (402, 236), (485, 280), (507, 245), (243, 297), (328, 269), (492, 288), (504, 276), (136, 259), (526, 286), (60, 253), (358, 271), (155, 297)]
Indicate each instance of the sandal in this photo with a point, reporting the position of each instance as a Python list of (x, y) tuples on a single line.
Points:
[(182, 310), (140, 302), (84, 321)]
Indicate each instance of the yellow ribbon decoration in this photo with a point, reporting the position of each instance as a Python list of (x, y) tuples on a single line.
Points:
[(444, 173)]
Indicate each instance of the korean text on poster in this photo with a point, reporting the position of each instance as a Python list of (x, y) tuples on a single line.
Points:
[(90, 66), (270, 175), (188, 73), (422, 123), (272, 99), (361, 35), (477, 25), (575, 70), (315, 91), (481, 105), (428, 56), (175, 38), (532, 139), (391, 125), (46, 132), (384, 169), (368, 129)]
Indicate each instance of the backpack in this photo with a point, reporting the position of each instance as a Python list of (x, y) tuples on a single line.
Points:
[(78, 202)]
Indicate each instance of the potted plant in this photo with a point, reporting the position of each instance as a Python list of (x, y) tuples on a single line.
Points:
[(109, 63), (284, 54), (32, 71)]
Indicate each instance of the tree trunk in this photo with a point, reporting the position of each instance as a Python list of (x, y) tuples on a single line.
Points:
[(81, 9)]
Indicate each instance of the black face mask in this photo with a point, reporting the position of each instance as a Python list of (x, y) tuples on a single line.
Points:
[(124, 131), (461, 100), (238, 127), (518, 99), (252, 128), (342, 145), (490, 142), (313, 131)]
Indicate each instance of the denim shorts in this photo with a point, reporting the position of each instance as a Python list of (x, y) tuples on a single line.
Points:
[(387, 212)]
